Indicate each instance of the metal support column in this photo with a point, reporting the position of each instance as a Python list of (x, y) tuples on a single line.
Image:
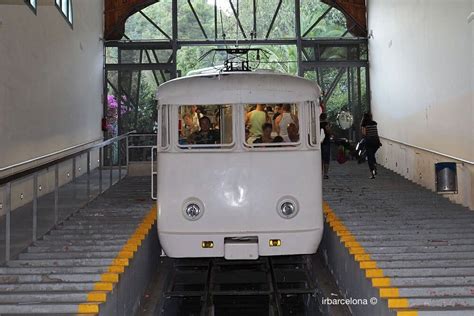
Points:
[(298, 37), (174, 42)]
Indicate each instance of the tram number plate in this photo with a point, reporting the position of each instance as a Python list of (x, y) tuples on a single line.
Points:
[(240, 249)]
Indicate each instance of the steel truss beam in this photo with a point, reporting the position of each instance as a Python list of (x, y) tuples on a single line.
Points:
[(236, 15), (129, 67), (154, 24), (310, 65), (160, 45), (274, 18), (197, 19), (305, 46), (317, 22)]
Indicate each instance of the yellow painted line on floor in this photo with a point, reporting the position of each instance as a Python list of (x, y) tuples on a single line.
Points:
[(389, 292), (103, 286), (380, 282), (88, 308), (360, 258), (117, 266), (407, 313), (109, 277), (96, 297), (397, 303), (374, 273), (116, 269), (120, 262), (367, 264)]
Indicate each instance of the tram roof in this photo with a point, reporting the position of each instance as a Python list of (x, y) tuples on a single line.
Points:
[(237, 87)]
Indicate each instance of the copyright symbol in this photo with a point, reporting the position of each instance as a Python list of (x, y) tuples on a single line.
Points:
[(373, 300)]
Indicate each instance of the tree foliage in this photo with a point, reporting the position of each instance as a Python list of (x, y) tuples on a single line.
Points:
[(278, 57)]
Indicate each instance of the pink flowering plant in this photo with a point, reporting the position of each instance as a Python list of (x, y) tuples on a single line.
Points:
[(112, 113)]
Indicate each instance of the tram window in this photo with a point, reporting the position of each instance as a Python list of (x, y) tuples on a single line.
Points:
[(275, 124), (164, 126), (313, 123), (205, 125)]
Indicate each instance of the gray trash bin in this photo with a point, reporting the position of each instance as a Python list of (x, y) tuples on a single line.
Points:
[(446, 177)]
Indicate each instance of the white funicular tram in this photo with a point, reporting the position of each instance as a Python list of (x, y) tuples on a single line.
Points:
[(239, 167)]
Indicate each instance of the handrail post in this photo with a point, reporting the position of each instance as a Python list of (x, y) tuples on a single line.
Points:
[(126, 151), (35, 206), (111, 162), (119, 156), (8, 200), (101, 157), (74, 170), (56, 194), (88, 175)]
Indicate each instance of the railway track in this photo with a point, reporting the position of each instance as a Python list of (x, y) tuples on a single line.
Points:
[(268, 286)]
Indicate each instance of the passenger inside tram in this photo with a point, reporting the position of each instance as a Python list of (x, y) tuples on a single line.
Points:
[(189, 126), (282, 122), (205, 135), (279, 120), (266, 136), (213, 125), (293, 133), (254, 121)]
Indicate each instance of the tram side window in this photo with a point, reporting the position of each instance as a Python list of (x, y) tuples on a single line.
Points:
[(271, 124), (313, 124), (205, 125), (165, 140)]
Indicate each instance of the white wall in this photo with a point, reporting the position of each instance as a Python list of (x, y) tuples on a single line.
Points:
[(50, 79), (422, 82)]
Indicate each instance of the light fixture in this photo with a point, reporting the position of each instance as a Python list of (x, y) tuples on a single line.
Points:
[(193, 209), (287, 207)]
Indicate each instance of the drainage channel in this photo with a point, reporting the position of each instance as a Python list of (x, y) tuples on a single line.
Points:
[(267, 286)]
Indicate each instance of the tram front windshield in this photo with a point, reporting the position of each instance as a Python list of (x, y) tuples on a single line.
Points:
[(263, 125)]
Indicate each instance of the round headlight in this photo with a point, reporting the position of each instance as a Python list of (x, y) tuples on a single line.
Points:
[(193, 209), (287, 207)]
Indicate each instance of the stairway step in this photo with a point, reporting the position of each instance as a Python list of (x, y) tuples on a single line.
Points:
[(37, 298), (61, 262), (55, 287)]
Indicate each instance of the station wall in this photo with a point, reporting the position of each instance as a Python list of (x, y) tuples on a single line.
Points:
[(421, 72), (50, 79)]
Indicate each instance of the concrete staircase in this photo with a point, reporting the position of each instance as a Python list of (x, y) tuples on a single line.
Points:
[(73, 268)]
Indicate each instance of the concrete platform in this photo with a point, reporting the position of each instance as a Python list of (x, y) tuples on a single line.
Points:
[(98, 261), (407, 248)]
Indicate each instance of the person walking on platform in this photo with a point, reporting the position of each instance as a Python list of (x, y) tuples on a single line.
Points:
[(325, 143), (372, 141)]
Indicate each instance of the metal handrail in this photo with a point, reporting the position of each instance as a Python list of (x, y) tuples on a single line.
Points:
[(29, 171), (46, 156), (142, 135), (428, 150)]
